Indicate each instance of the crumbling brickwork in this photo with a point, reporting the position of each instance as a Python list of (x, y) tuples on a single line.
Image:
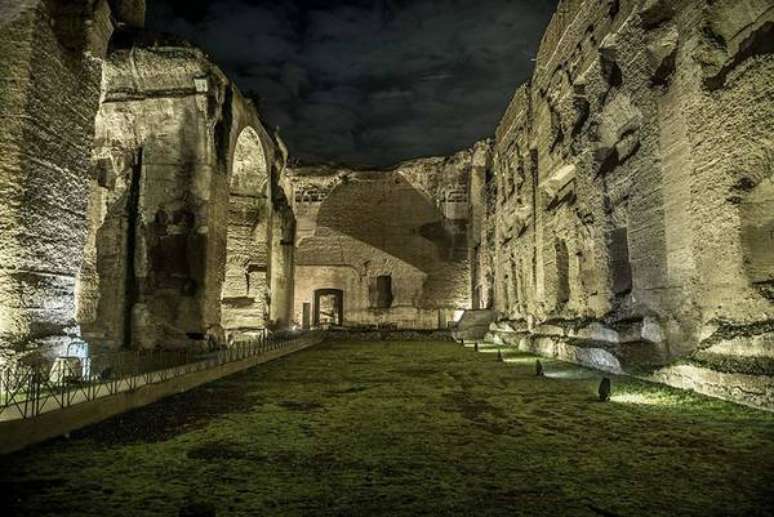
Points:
[(138, 187), (408, 224), (633, 209), (50, 54)]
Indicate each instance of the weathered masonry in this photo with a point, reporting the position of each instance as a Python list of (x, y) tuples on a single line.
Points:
[(393, 242), (629, 219), (622, 215), (139, 204)]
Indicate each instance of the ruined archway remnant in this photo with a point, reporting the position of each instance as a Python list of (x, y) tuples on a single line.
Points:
[(245, 294), (121, 240), (145, 281), (204, 177)]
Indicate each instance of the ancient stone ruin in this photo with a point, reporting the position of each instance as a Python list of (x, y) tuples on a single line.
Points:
[(621, 216)]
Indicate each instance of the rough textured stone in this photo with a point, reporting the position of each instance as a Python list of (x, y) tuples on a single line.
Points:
[(44, 162), (138, 187), (654, 12), (193, 250), (409, 223), (621, 216), (661, 54), (659, 197)]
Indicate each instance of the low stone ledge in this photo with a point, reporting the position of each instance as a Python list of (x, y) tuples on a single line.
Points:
[(750, 390), (747, 381), (585, 352), (727, 363)]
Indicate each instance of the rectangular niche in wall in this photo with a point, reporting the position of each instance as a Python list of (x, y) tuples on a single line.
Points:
[(562, 272), (620, 267), (383, 291)]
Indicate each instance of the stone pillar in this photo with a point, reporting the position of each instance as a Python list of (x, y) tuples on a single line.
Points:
[(50, 64), (50, 67), (282, 267)]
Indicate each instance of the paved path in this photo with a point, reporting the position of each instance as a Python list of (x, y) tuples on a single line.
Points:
[(402, 429)]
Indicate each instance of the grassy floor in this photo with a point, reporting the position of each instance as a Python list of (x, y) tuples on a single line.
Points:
[(396, 428)]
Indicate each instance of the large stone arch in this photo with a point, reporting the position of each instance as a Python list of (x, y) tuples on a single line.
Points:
[(170, 163), (251, 154), (245, 293)]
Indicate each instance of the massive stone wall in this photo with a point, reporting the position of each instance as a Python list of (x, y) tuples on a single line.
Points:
[(138, 188), (630, 206), (408, 223), (50, 57), (621, 216), (181, 206)]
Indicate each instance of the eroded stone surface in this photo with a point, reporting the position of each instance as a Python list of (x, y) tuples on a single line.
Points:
[(138, 188), (629, 178), (621, 216), (409, 224), (50, 93)]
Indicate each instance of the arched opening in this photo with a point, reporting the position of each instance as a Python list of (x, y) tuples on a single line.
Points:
[(245, 291)]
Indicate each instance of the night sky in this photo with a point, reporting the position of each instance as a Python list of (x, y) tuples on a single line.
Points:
[(368, 83)]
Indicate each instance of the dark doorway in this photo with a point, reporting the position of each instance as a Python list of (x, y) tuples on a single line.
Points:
[(384, 291), (328, 307)]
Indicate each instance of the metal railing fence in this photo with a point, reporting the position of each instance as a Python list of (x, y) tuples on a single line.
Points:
[(27, 390)]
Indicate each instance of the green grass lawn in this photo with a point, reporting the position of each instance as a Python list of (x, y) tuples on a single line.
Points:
[(399, 428)]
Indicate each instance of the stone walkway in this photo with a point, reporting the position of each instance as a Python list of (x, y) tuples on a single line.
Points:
[(393, 428)]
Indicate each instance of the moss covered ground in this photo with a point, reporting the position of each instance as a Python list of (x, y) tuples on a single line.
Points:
[(408, 428)]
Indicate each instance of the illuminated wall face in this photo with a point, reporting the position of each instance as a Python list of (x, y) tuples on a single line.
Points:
[(181, 243), (122, 223), (245, 287), (49, 98), (144, 281), (630, 191), (408, 225)]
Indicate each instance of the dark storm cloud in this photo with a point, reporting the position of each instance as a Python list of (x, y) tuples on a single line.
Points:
[(369, 82)]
